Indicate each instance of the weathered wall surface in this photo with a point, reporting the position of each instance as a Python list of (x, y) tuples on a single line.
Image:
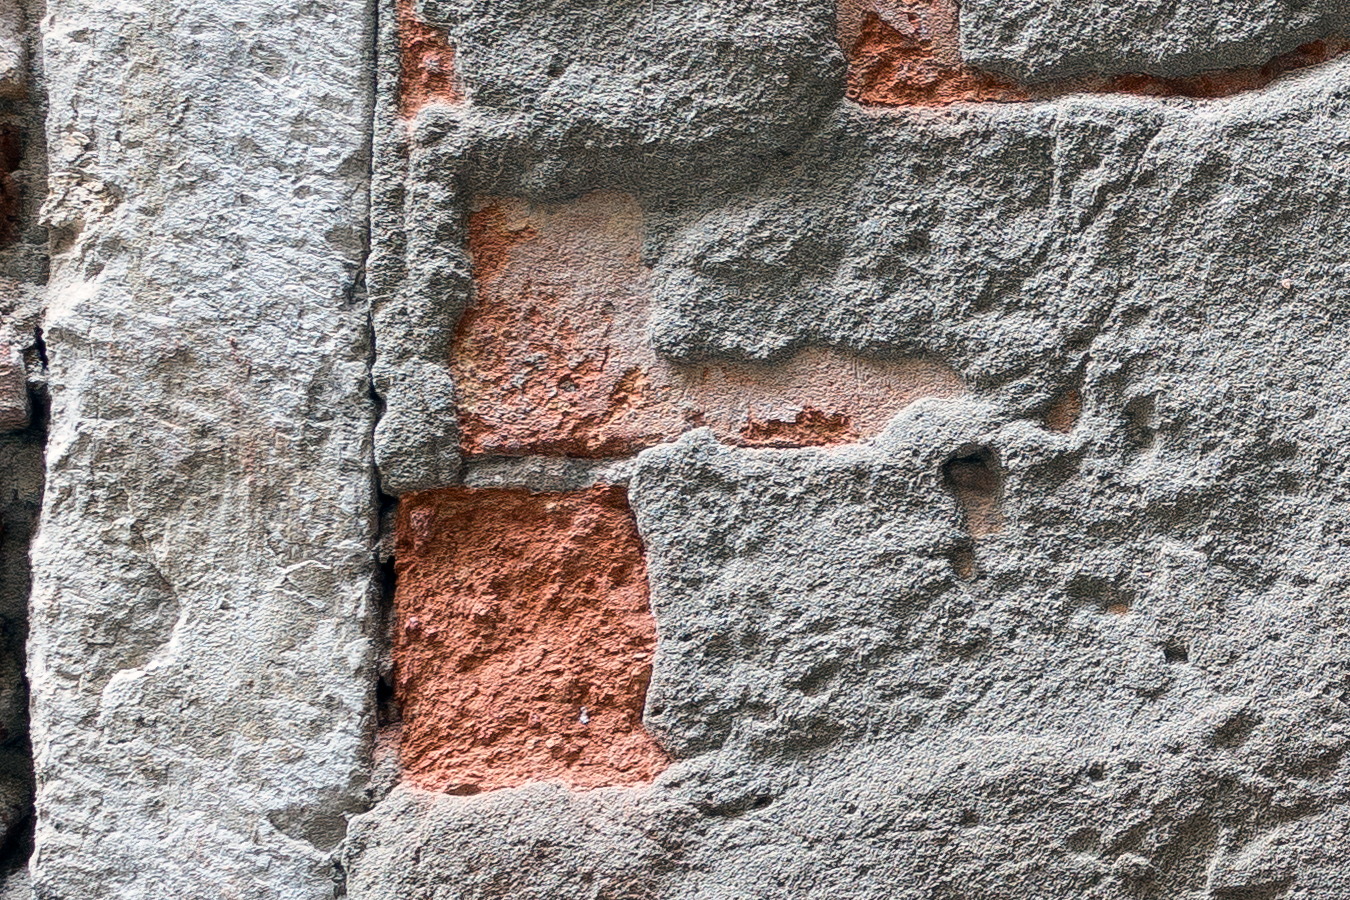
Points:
[(202, 621), (1065, 622), (1038, 39), (683, 450)]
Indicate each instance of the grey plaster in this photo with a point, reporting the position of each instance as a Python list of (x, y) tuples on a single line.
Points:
[(418, 277), (1032, 40), (561, 99), (1137, 688), (562, 93)]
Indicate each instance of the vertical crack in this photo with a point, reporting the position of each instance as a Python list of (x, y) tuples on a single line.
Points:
[(24, 411)]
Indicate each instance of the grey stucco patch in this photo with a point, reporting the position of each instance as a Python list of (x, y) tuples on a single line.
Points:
[(1033, 40), (1135, 688)]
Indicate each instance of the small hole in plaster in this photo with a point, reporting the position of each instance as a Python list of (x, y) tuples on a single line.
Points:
[(1175, 653), (975, 478)]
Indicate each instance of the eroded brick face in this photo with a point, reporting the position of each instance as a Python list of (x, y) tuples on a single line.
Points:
[(1230, 82), (426, 64), (523, 640), (906, 54), (553, 357)]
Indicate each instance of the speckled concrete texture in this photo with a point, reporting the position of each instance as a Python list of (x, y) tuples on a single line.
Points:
[(1038, 39), (1075, 632)]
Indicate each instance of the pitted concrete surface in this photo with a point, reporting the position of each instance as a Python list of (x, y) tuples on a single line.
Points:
[(1066, 621), (1075, 633), (1038, 39)]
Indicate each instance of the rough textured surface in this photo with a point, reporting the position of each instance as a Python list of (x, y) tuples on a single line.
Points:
[(629, 87), (201, 647), (1060, 612), (1034, 40), (523, 640), (1005, 239), (909, 53), (553, 356), (1076, 633)]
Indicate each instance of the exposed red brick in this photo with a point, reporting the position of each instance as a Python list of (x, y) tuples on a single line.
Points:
[(426, 64), (523, 640), (491, 238), (1063, 414), (1220, 82), (906, 53), (553, 356), (900, 63), (810, 426)]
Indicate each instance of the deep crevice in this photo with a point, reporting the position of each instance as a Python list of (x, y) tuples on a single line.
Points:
[(40, 347), (24, 261), (381, 581), (975, 478)]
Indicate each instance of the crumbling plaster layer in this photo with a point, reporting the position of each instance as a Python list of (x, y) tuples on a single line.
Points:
[(909, 54), (201, 613), (1034, 40), (561, 98), (553, 356), (1016, 243), (1138, 687)]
